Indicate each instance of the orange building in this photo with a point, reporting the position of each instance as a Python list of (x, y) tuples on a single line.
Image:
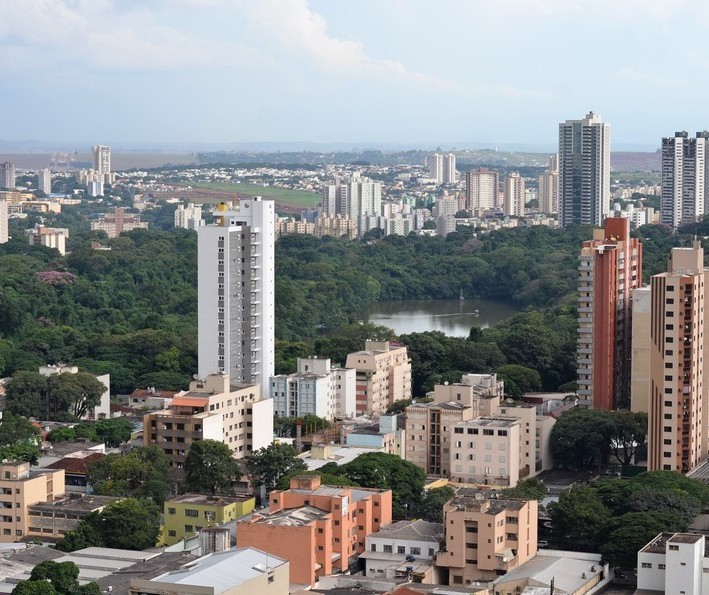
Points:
[(610, 268), (320, 529)]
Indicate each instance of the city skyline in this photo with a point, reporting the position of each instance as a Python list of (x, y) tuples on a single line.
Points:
[(228, 71)]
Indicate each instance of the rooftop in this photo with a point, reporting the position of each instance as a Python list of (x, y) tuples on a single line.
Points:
[(570, 575), (658, 544), (76, 465), (339, 454), (292, 517), (75, 503), (205, 500), (491, 422), (224, 570), (466, 497), (419, 530)]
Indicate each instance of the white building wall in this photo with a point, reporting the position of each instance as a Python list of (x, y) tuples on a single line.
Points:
[(4, 233), (345, 391), (262, 424), (213, 428), (683, 572)]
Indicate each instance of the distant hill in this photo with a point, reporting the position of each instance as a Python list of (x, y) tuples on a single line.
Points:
[(635, 161)]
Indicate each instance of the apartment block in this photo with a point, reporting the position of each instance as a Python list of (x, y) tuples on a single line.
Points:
[(610, 268), (21, 487), (548, 195), (213, 409), (51, 520), (315, 389), (114, 224), (387, 435), (513, 204), (486, 537), (189, 513), (584, 170), (44, 180), (7, 176), (481, 190), (383, 376), (678, 418), (51, 237), (189, 217), (320, 529)]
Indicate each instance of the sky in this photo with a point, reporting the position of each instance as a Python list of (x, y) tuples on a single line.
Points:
[(438, 73)]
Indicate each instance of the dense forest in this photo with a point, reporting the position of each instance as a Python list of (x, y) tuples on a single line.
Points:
[(131, 310)]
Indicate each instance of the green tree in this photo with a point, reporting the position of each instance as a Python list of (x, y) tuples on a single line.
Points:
[(629, 434), (581, 438), (267, 465), (526, 489), (85, 535), (19, 439), (130, 524), (55, 578), (526, 379), (25, 394), (141, 473), (431, 508), (114, 431), (381, 470), (210, 468), (74, 393), (580, 516)]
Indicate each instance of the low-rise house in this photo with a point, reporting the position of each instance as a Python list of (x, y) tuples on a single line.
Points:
[(50, 521), (674, 563), (404, 550)]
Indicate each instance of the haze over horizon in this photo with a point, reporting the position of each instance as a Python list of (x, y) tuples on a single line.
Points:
[(205, 73)]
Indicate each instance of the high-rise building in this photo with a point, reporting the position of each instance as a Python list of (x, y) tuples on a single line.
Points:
[(610, 269), (435, 167), (584, 170), (548, 194), (678, 415), (449, 173), (684, 170), (7, 175), (44, 180), (481, 188), (353, 197), (189, 217), (102, 162), (4, 232), (236, 280), (514, 197)]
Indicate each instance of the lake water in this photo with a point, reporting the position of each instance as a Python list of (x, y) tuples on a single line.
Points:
[(452, 317)]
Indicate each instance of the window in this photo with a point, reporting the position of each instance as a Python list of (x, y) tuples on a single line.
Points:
[(373, 547), (172, 533), (170, 511), (400, 549), (416, 551), (188, 529), (646, 565), (674, 548), (191, 512), (661, 566), (388, 549)]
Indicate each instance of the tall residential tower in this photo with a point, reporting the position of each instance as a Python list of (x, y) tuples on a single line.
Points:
[(584, 170), (236, 280), (684, 188), (610, 269)]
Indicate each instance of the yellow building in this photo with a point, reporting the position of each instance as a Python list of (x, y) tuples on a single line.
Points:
[(189, 513), (21, 487)]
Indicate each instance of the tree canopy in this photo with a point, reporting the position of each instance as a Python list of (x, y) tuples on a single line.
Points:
[(55, 578), (268, 465), (210, 468)]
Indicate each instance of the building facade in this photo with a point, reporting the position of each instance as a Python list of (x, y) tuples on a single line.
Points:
[(548, 195), (315, 389), (481, 190), (50, 237), (584, 170), (114, 224), (610, 268), (514, 196), (678, 418), (236, 293), (189, 217), (320, 529), (7, 175), (486, 537), (102, 163), (684, 172), (674, 563), (214, 409), (383, 376), (44, 180)]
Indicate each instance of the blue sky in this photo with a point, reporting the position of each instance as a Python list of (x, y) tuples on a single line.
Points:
[(410, 72)]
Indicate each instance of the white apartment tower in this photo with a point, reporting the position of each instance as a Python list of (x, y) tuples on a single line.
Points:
[(435, 167), (481, 189), (353, 197), (7, 175), (189, 217), (549, 187), (44, 180), (449, 174), (584, 170), (684, 187), (102, 162), (236, 279), (513, 205), (4, 233)]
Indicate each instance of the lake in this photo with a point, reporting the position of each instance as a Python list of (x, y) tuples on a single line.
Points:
[(452, 317)]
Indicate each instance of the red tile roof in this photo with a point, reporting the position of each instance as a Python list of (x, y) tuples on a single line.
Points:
[(74, 465)]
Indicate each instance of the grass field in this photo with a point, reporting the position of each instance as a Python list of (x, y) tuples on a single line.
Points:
[(283, 195)]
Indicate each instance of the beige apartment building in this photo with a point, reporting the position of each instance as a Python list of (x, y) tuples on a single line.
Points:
[(678, 424), (383, 376), (486, 537), (472, 436), (213, 409), (114, 224), (21, 487)]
